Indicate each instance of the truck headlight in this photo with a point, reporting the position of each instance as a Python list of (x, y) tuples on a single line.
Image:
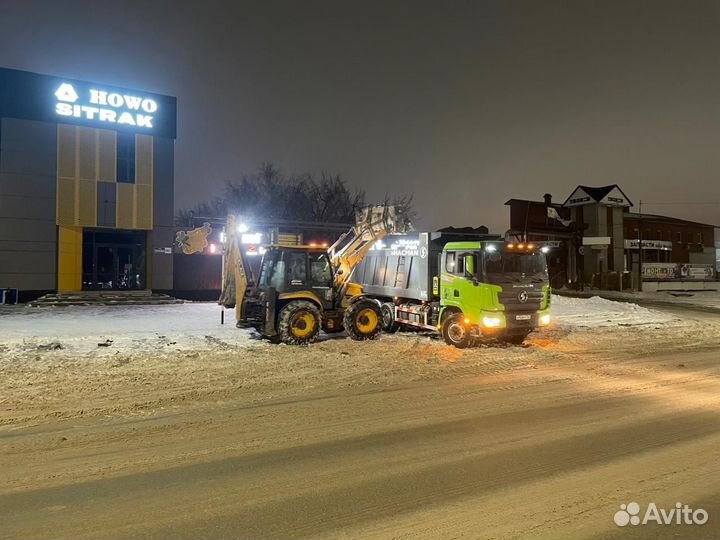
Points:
[(544, 319), (491, 322)]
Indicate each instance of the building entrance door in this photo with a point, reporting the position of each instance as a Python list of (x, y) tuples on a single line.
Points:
[(114, 260)]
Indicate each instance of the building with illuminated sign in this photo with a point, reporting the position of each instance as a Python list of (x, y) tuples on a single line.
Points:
[(86, 186)]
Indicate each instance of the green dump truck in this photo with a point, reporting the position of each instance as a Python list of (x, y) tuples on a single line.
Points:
[(471, 289)]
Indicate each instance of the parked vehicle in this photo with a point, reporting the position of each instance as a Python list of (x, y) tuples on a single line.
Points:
[(469, 289)]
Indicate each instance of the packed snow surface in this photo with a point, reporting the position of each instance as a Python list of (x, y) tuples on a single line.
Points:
[(190, 326), (196, 326)]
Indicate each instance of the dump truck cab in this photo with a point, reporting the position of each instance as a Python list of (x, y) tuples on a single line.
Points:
[(492, 289)]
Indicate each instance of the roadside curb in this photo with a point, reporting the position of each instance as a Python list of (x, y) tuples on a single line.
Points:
[(639, 301)]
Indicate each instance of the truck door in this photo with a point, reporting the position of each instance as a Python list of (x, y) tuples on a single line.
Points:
[(460, 280)]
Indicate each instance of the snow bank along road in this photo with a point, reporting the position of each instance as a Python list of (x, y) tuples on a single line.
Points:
[(182, 429)]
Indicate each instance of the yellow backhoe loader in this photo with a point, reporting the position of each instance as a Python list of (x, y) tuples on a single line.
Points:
[(301, 289)]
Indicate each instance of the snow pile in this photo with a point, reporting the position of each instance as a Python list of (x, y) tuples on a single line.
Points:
[(598, 311), (108, 329)]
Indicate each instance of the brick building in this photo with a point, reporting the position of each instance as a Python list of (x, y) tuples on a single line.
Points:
[(594, 233)]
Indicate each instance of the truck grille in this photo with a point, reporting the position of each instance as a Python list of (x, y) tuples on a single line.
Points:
[(512, 302)]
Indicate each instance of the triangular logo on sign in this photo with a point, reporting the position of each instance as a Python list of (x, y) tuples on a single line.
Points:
[(66, 92)]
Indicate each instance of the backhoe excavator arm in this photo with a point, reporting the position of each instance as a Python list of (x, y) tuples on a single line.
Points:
[(371, 224), (237, 275)]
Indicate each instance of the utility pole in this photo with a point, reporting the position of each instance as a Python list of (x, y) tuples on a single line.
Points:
[(640, 253)]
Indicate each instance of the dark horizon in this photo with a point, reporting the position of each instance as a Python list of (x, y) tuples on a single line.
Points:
[(466, 105)]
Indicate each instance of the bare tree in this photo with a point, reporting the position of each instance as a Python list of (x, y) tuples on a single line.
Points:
[(268, 193)]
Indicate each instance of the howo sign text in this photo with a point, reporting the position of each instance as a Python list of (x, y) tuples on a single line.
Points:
[(105, 107)]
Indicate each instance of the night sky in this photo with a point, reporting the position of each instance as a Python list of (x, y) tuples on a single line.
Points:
[(464, 104)]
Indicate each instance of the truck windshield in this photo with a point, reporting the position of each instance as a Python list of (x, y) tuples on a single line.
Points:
[(503, 267)]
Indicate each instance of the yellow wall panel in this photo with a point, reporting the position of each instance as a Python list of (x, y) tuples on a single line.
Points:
[(87, 153), (107, 160), (87, 203), (66, 151), (143, 159), (69, 258), (143, 207), (65, 213), (125, 206), (87, 156)]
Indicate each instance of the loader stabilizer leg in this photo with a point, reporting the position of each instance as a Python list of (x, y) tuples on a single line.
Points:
[(269, 326)]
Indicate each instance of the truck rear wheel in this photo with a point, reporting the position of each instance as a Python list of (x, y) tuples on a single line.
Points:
[(299, 323), (363, 320), (455, 332), (388, 319)]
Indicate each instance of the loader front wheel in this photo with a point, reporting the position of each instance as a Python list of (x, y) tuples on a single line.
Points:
[(363, 320), (299, 323)]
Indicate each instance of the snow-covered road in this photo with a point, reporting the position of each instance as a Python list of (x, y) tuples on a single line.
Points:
[(194, 326)]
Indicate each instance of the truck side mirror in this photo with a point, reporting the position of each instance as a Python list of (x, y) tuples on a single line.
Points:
[(470, 268)]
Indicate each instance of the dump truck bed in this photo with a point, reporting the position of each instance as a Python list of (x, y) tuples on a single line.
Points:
[(404, 265), (400, 265)]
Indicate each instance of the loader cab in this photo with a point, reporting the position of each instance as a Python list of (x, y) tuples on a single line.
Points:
[(293, 270)]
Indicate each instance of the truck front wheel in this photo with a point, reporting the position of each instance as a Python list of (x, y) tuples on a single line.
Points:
[(363, 320), (455, 332), (299, 323)]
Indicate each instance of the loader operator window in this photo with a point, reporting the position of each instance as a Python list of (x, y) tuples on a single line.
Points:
[(267, 270), (320, 270), (297, 268)]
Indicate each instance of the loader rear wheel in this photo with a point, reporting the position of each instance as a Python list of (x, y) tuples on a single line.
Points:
[(299, 323), (363, 320), (455, 331)]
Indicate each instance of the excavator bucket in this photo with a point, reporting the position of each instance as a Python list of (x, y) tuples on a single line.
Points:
[(371, 224), (193, 241), (388, 219)]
